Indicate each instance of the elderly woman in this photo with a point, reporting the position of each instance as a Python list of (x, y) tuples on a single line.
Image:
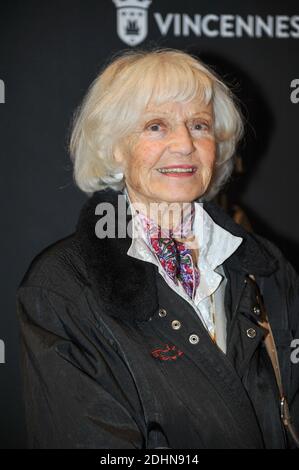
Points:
[(159, 323)]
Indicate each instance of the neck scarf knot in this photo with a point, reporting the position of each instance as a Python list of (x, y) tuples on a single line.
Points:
[(174, 256)]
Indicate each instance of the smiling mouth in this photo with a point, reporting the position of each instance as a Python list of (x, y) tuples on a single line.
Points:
[(178, 170)]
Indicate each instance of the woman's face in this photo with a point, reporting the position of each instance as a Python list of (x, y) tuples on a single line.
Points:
[(171, 155)]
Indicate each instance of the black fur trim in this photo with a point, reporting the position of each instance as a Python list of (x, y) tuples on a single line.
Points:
[(125, 286)]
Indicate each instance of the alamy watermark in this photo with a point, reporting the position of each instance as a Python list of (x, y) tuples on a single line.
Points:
[(295, 352), (161, 219), (2, 352), (294, 96), (2, 92)]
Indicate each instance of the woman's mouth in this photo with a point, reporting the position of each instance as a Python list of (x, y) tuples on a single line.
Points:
[(178, 171)]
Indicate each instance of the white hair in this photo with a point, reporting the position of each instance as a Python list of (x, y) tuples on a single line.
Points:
[(119, 95)]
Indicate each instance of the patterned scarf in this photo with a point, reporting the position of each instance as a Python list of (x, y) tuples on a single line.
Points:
[(174, 256)]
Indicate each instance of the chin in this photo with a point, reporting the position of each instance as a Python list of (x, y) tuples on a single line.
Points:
[(178, 192), (178, 196)]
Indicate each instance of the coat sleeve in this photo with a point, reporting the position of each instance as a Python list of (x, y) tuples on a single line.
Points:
[(73, 398), (292, 289), (288, 283)]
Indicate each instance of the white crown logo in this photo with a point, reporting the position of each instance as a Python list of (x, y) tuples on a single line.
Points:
[(132, 20), (132, 3)]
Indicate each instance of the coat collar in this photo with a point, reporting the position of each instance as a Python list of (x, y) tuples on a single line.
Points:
[(124, 286)]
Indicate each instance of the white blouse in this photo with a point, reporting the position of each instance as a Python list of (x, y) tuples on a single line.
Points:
[(216, 245)]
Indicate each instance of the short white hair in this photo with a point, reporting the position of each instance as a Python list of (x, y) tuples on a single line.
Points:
[(117, 98)]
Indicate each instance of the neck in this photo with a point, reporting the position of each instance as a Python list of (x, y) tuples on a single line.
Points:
[(169, 216)]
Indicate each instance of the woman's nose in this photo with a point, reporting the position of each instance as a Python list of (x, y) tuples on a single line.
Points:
[(181, 141)]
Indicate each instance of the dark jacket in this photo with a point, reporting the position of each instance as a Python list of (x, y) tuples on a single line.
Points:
[(103, 366)]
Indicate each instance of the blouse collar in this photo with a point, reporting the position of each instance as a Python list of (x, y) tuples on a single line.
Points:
[(215, 246)]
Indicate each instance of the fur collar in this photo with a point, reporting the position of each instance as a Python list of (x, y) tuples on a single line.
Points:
[(124, 286)]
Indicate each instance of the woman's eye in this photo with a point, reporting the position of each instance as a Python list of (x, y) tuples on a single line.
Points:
[(199, 126), (154, 127)]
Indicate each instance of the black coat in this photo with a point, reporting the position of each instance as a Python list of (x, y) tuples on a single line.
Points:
[(102, 368)]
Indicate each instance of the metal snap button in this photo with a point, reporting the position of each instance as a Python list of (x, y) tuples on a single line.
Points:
[(251, 333), (193, 339), (256, 310), (176, 324), (162, 312)]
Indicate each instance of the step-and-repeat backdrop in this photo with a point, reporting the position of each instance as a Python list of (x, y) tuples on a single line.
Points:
[(51, 50)]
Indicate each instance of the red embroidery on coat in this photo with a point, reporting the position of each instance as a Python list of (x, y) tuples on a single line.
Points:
[(167, 353)]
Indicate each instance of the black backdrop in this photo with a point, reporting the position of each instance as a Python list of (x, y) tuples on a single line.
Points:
[(51, 50)]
